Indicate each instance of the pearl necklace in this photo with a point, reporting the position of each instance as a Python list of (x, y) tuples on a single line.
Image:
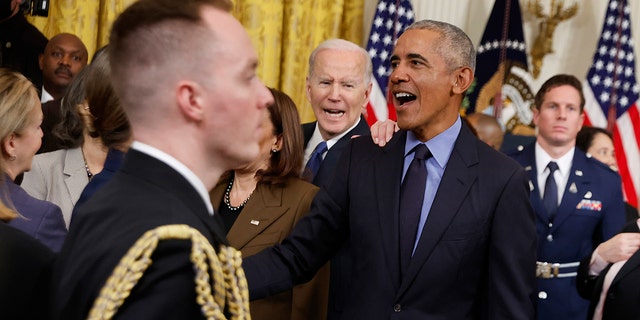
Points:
[(86, 166), (89, 173), (228, 202)]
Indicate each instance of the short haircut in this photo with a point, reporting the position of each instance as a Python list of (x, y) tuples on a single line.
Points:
[(585, 137), (342, 45), (557, 81), (454, 45), (287, 162), (154, 40), (110, 122)]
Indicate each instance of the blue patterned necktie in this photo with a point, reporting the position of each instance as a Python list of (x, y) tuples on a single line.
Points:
[(316, 159), (411, 199), (550, 198)]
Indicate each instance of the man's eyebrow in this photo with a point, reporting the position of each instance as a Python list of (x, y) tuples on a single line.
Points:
[(416, 56), (410, 56)]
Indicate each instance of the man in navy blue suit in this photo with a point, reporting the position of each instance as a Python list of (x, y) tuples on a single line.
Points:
[(338, 88), (473, 251), (586, 204)]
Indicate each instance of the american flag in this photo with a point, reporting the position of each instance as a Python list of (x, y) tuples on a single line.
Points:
[(392, 17), (612, 92)]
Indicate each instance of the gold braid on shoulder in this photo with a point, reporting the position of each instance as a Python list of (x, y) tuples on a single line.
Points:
[(230, 284)]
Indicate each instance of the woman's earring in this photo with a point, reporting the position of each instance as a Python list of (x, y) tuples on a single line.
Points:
[(12, 158)]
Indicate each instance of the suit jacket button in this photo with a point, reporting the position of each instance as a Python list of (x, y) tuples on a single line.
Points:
[(550, 238), (397, 307), (611, 296), (542, 295)]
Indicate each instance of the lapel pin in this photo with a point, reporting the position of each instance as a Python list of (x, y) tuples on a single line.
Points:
[(588, 195), (573, 188), (255, 222), (527, 168), (579, 173)]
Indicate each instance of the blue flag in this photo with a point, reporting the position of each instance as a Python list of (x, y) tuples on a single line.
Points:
[(502, 84)]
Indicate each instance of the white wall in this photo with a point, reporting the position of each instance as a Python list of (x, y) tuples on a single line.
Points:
[(574, 41)]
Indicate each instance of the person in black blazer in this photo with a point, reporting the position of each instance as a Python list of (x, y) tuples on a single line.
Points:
[(338, 88), (25, 275), (328, 166), (475, 256), (339, 79), (181, 122), (610, 277)]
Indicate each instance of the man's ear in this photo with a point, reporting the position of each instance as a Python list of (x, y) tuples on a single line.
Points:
[(536, 115), (308, 87), (190, 100), (367, 95), (463, 79)]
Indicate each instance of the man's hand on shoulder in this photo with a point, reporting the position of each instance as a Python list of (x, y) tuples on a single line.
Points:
[(382, 131)]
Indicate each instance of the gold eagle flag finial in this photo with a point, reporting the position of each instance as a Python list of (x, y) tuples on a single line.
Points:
[(543, 43)]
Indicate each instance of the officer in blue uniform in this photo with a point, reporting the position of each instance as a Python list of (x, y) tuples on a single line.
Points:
[(577, 207)]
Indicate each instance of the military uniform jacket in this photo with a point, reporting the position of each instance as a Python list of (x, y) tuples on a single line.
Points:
[(591, 211)]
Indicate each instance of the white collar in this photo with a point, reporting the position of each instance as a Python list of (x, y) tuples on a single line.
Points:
[(179, 167), (46, 96)]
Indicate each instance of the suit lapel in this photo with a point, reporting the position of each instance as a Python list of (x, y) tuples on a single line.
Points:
[(454, 186), (633, 263), (528, 162), (387, 188), (577, 187), (75, 173), (257, 216), (333, 155)]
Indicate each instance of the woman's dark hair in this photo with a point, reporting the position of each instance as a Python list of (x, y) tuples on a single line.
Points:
[(287, 162), (69, 130), (110, 121), (107, 120), (585, 137)]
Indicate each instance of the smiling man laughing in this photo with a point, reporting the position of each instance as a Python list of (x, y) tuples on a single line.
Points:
[(434, 225)]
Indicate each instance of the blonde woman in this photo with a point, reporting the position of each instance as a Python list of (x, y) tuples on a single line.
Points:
[(20, 134)]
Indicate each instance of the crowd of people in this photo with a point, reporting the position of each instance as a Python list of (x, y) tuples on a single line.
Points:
[(170, 126)]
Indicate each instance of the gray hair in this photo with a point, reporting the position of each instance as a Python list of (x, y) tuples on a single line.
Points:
[(343, 45), (454, 45)]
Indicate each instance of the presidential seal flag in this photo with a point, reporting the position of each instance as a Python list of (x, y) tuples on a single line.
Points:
[(502, 84), (611, 93), (392, 17)]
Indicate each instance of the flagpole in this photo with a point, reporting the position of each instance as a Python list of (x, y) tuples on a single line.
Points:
[(497, 99)]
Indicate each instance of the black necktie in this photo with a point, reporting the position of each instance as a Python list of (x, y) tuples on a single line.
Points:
[(550, 198), (313, 165), (411, 199)]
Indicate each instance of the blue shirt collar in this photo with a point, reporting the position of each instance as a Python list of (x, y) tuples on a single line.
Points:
[(440, 146)]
